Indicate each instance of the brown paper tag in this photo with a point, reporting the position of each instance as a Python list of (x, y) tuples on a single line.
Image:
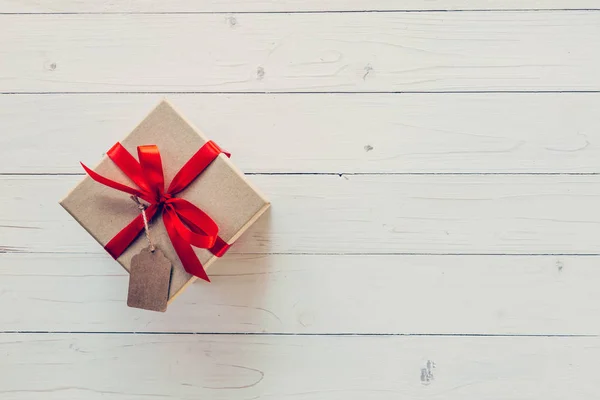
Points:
[(149, 278)]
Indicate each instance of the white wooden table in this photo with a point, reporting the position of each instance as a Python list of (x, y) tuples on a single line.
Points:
[(433, 167)]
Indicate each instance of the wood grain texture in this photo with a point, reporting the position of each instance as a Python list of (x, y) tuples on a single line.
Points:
[(156, 6), (373, 276), (357, 214), (350, 52), (341, 133), (133, 367), (515, 295)]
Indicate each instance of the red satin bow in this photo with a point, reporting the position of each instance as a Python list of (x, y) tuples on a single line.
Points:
[(186, 224)]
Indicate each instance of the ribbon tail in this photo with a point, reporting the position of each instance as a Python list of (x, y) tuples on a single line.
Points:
[(115, 185), (184, 250), (127, 235)]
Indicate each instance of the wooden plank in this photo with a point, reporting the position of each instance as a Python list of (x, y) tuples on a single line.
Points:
[(244, 367), (436, 133), (357, 214), (546, 295), (475, 51), (149, 6)]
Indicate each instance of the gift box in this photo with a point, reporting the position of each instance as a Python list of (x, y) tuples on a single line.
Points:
[(216, 190)]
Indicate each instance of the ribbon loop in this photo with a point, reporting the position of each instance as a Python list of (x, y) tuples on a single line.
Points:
[(151, 166), (128, 165), (186, 224), (193, 224)]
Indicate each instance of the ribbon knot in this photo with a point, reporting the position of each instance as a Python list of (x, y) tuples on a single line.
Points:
[(164, 198), (186, 224)]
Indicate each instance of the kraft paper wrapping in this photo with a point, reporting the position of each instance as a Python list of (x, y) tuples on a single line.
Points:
[(221, 191)]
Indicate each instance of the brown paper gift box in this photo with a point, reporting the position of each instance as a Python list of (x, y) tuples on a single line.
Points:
[(221, 191)]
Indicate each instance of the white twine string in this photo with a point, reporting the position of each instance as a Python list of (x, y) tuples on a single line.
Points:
[(142, 208)]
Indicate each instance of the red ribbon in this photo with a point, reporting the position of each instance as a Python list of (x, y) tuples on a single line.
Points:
[(186, 224)]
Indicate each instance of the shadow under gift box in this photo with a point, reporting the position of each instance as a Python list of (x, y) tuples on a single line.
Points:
[(221, 191)]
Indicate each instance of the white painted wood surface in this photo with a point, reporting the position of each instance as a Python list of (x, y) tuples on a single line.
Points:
[(311, 368), (421, 245), (244, 6), (314, 52), (339, 133), (359, 214), (314, 294)]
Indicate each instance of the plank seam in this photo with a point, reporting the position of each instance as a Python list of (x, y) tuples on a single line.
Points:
[(303, 92), (287, 334), (364, 11)]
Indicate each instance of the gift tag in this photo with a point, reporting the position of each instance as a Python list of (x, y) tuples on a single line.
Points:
[(149, 279)]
